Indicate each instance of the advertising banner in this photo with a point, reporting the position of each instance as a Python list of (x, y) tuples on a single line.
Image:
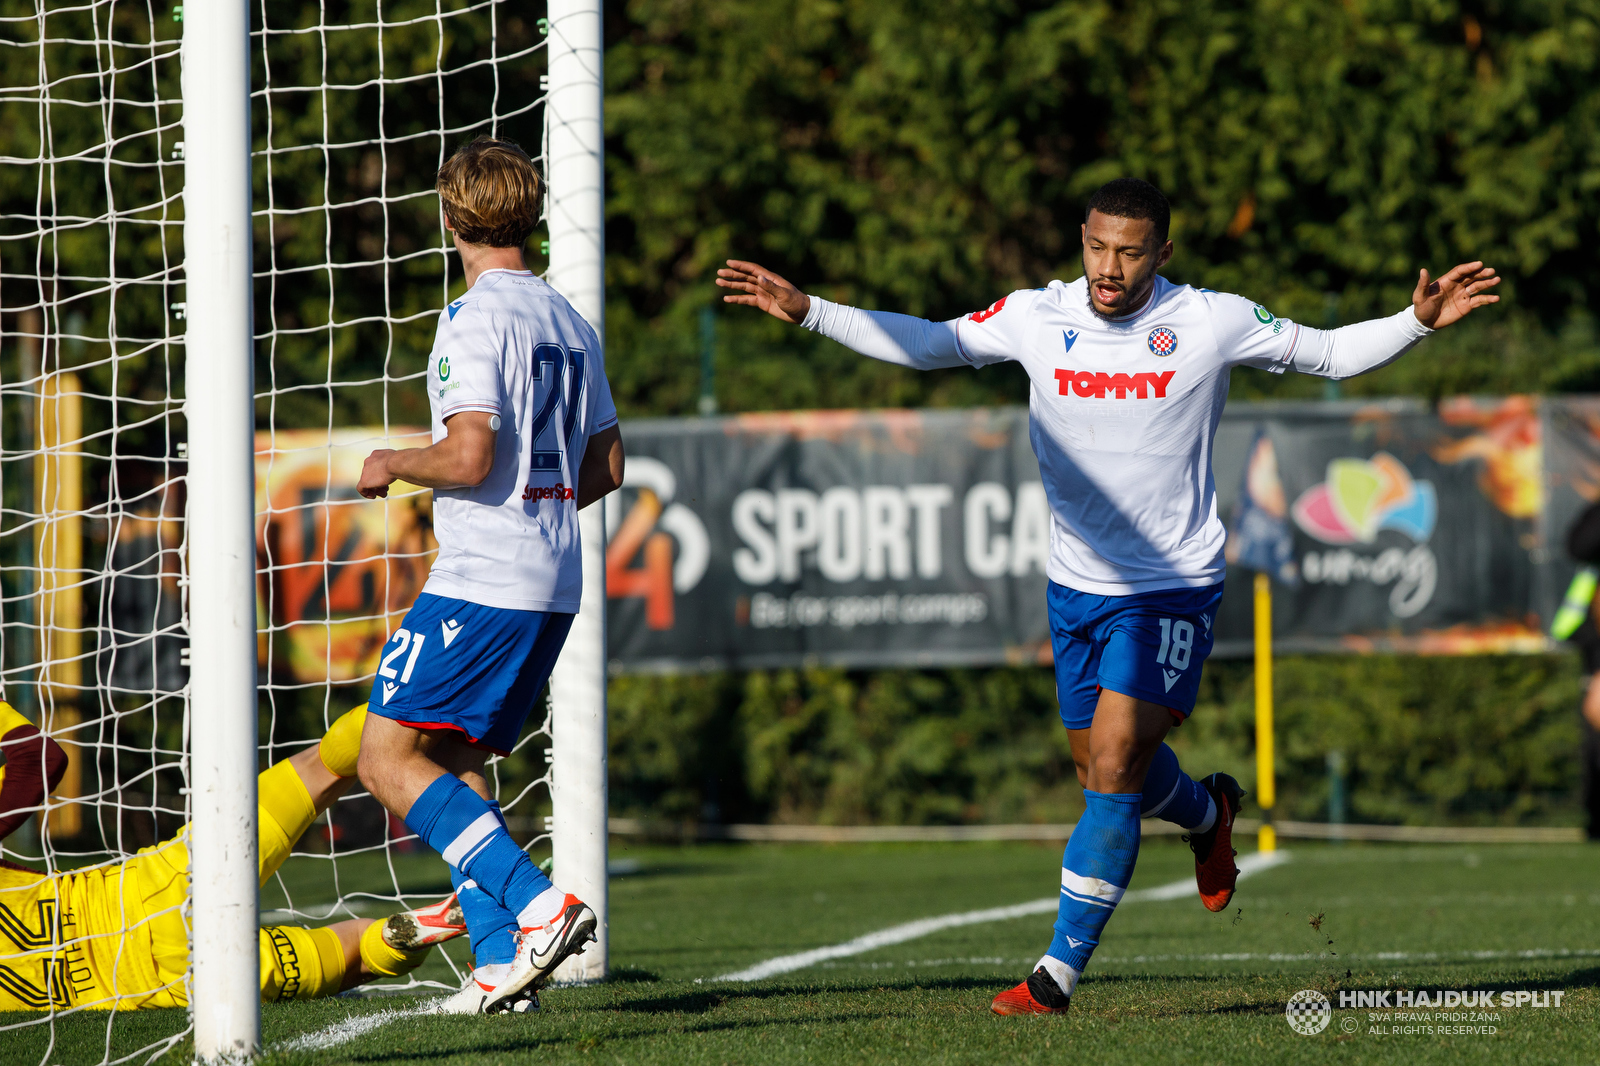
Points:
[(919, 538), (334, 572)]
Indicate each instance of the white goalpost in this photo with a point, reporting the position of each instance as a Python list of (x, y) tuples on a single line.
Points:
[(576, 170), (220, 411), (221, 263)]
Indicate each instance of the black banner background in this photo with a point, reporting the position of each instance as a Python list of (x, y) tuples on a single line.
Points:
[(919, 537)]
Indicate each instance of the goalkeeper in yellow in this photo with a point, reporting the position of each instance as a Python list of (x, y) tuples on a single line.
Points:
[(116, 936)]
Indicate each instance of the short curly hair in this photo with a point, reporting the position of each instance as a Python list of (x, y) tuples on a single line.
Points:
[(1132, 198), (491, 190)]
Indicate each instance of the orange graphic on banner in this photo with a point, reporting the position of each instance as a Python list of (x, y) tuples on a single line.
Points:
[(335, 572), (651, 581)]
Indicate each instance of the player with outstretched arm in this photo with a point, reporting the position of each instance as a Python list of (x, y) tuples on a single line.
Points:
[(1129, 375), (525, 435)]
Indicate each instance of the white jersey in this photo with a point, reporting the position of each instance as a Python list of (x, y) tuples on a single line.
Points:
[(514, 347), (1122, 414)]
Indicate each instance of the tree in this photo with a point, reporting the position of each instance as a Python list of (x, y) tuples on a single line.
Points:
[(928, 157)]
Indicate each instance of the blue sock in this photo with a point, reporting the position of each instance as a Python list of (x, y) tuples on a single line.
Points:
[(458, 824), (1172, 795), (490, 927), (1095, 871)]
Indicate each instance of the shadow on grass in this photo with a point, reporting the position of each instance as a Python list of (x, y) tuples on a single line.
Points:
[(632, 975), (702, 1001), (581, 1041)]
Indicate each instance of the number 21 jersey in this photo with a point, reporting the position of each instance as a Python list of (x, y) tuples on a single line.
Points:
[(512, 346)]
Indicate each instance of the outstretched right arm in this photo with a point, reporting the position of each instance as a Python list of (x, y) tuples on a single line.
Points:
[(899, 339)]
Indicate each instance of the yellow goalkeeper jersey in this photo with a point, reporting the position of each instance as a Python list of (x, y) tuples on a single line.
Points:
[(106, 936), (116, 935)]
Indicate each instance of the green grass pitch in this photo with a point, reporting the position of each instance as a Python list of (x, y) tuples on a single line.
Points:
[(1171, 983)]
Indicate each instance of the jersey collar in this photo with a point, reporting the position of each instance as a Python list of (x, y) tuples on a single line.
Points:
[(1157, 294)]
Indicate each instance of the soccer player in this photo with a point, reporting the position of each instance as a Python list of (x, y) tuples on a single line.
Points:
[(524, 435), (1129, 373), (115, 936)]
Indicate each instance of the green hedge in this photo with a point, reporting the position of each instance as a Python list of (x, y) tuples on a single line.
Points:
[(1489, 740)]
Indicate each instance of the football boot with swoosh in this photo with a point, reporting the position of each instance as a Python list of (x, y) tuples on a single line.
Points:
[(541, 948)]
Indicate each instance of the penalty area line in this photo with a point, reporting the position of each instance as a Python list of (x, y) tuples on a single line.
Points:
[(899, 934)]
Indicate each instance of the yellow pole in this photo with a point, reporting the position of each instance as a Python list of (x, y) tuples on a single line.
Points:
[(1266, 788), (58, 480)]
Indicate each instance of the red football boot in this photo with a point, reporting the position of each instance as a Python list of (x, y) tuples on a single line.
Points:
[(1039, 994), (1214, 870), (425, 926)]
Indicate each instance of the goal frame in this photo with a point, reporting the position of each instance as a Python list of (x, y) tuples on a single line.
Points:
[(221, 603)]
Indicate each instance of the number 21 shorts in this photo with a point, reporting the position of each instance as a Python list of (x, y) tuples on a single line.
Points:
[(465, 667)]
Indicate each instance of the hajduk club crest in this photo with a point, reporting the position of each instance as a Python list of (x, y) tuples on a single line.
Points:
[(1162, 341)]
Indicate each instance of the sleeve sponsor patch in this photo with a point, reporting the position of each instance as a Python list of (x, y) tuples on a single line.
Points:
[(984, 316)]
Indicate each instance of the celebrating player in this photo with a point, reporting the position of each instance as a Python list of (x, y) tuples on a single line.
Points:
[(525, 435), (116, 937), (1129, 375)]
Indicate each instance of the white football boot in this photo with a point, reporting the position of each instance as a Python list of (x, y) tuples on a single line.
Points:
[(469, 1000), (473, 998), (541, 948)]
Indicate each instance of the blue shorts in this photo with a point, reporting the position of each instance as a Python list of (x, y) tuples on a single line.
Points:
[(473, 669), (1149, 646)]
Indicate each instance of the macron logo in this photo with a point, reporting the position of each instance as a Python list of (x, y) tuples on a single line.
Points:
[(1089, 383), (453, 308), (1070, 336), (449, 629), (389, 689), (1171, 678)]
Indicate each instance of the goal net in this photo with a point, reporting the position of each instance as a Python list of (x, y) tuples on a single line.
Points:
[(353, 108)]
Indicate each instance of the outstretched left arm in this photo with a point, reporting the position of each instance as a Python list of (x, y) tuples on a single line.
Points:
[(1364, 346)]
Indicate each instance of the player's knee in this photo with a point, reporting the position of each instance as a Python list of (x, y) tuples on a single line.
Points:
[(1114, 771)]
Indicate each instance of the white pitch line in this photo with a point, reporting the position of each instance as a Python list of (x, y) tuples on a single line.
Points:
[(1240, 956), (899, 934), (342, 1032)]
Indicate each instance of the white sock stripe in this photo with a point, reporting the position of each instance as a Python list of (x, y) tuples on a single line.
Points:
[(1091, 888), (470, 856), (470, 838), (1087, 899), (1158, 808)]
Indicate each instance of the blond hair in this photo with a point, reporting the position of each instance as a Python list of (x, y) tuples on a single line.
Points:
[(491, 191)]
